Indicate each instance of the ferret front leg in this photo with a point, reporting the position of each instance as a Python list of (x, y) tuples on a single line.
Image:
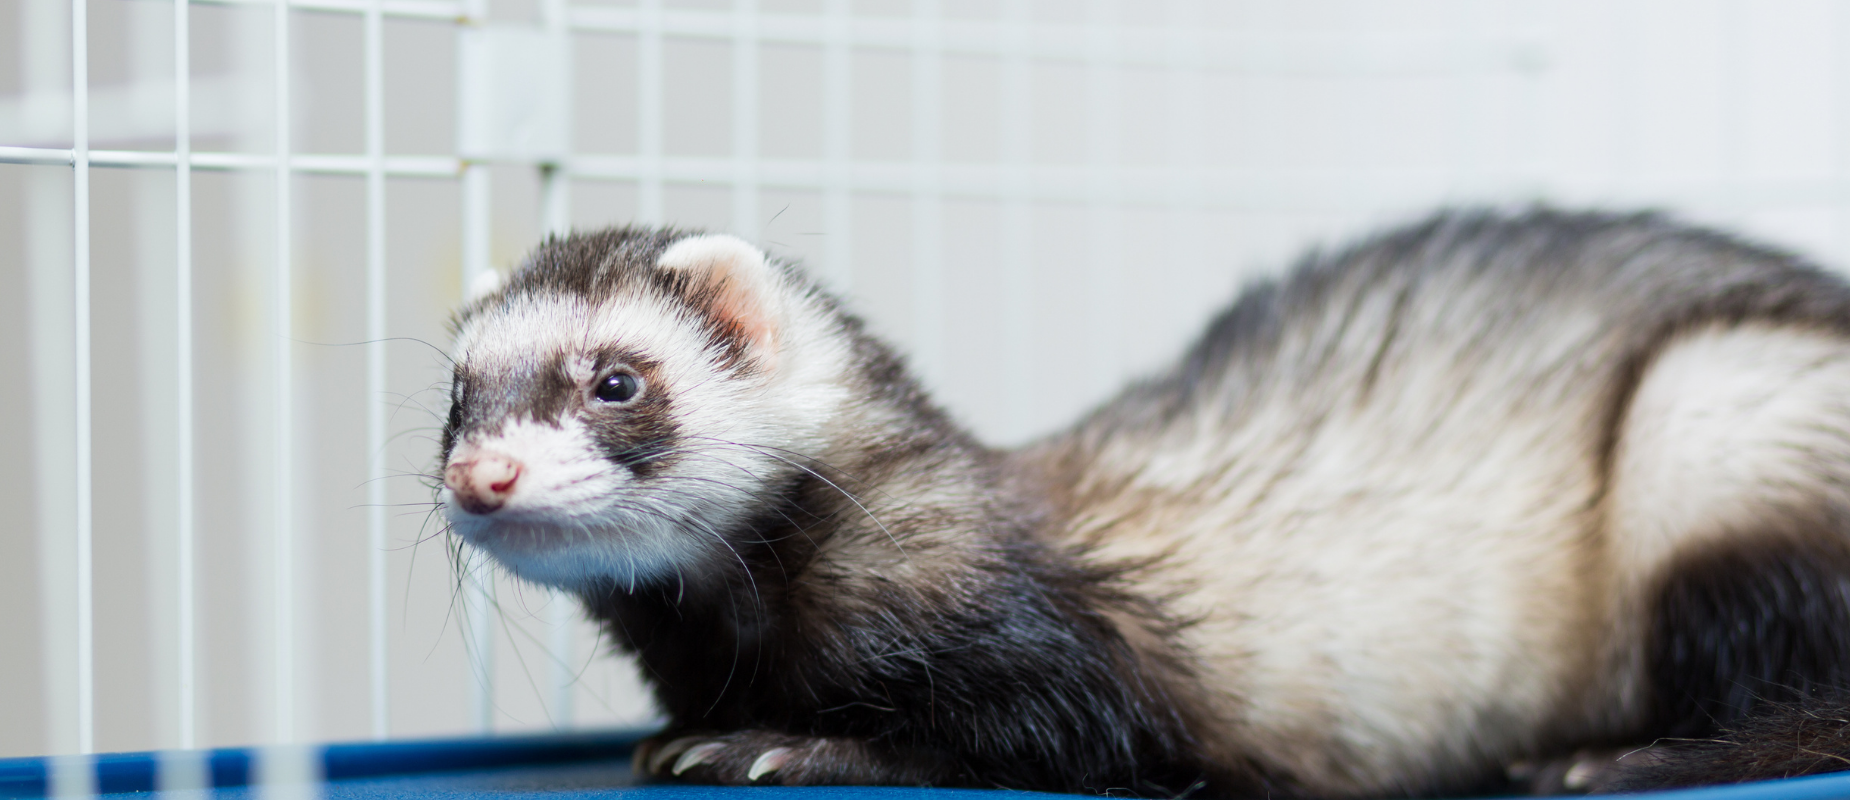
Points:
[(770, 758)]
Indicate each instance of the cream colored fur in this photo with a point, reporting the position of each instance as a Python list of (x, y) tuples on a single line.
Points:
[(1395, 586)]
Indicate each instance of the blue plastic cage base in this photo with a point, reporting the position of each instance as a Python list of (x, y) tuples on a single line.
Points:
[(578, 767)]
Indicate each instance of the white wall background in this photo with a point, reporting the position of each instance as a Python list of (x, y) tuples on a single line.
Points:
[(1038, 199)]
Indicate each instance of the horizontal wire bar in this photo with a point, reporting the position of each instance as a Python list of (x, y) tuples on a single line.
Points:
[(1239, 189), (408, 9), (37, 155), (1399, 52), (1234, 189), (1147, 46), (395, 166)]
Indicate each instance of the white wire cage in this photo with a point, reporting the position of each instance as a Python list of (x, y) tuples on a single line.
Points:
[(238, 226)]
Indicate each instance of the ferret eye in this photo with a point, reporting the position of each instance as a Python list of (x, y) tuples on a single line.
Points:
[(619, 387)]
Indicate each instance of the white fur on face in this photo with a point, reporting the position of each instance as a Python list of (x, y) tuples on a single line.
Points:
[(577, 517), (561, 475), (568, 518)]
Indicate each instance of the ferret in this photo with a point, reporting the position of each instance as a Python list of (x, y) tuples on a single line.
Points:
[(1478, 504)]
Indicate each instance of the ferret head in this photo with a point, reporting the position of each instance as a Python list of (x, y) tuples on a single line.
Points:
[(621, 403)]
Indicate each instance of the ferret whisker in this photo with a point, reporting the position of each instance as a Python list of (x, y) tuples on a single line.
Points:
[(358, 506), (850, 498), (842, 473), (408, 400), (703, 527), (416, 430), (453, 549), (444, 528), (757, 494), (508, 629), (389, 339), (786, 455)]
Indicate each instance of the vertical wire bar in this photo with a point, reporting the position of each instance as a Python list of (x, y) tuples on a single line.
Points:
[(1629, 28), (80, 269), (286, 768), (927, 194), (283, 589), (745, 118), (376, 370), (562, 617), (1529, 163), (556, 217), (1017, 217), (555, 200), (183, 377), (477, 231), (43, 70), (1467, 110), (476, 582), (77, 777), (150, 24), (479, 632), (476, 188), (1733, 121), (1187, 105), (478, 600), (837, 132), (477, 202), (555, 179), (1103, 107), (477, 211), (1841, 122), (649, 207)]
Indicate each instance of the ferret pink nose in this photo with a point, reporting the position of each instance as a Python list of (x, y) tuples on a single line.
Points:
[(482, 484)]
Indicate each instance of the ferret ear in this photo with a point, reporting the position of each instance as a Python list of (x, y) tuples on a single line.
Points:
[(733, 281)]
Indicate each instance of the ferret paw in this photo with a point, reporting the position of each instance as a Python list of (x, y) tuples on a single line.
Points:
[(1592, 771), (755, 757)]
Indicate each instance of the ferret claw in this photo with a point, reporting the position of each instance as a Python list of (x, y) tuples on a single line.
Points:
[(1580, 777), (669, 751), (696, 755), (771, 761)]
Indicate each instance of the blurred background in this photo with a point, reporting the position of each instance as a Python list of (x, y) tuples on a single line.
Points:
[(1036, 199)]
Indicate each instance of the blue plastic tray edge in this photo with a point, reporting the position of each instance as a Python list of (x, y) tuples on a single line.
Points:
[(232, 767), (136, 772)]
